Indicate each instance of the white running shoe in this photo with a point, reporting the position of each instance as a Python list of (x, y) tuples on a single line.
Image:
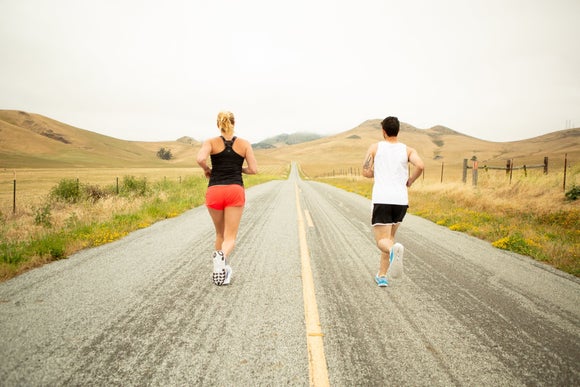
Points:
[(396, 259), (229, 273), (219, 267)]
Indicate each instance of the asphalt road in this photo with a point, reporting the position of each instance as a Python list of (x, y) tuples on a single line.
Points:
[(143, 310)]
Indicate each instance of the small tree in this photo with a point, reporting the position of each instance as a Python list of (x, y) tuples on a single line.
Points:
[(164, 154)]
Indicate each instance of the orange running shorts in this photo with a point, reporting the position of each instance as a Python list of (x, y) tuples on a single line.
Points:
[(219, 197)]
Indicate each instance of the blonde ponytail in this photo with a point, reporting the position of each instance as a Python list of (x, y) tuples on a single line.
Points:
[(226, 122)]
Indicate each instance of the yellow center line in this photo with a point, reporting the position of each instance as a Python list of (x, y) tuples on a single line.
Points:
[(316, 359), (308, 218)]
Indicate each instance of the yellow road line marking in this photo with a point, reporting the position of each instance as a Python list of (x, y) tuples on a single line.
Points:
[(308, 218), (316, 359)]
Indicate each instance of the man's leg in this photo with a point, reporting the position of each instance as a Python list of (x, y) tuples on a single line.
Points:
[(385, 238)]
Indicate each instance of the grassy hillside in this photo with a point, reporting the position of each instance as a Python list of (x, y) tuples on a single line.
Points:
[(436, 145), (34, 141)]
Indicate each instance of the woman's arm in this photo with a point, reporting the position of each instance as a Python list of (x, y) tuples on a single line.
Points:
[(202, 156), (252, 167)]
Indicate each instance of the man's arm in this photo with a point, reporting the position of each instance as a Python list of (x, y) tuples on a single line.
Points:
[(417, 163), (368, 169)]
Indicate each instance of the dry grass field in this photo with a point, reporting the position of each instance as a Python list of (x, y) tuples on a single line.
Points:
[(33, 184), (45, 227), (527, 213)]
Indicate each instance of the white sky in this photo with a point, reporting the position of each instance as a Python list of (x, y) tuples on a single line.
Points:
[(498, 70)]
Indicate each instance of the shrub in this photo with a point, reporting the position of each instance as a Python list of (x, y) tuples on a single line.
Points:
[(67, 190), (133, 185), (574, 193)]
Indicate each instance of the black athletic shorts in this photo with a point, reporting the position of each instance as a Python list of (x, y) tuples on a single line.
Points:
[(384, 214)]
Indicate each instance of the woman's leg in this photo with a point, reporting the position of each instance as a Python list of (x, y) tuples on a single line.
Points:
[(232, 218), (217, 216)]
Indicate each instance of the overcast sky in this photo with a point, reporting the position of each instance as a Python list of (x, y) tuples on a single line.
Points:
[(498, 70)]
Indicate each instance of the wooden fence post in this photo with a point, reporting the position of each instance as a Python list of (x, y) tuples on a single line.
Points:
[(474, 173), (565, 169), (14, 199), (508, 166), (545, 165), (465, 170), (511, 169), (442, 164)]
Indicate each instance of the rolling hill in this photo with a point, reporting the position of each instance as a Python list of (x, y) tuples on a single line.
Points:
[(436, 145), (33, 141)]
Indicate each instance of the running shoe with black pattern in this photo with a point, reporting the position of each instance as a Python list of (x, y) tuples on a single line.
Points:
[(219, 267)]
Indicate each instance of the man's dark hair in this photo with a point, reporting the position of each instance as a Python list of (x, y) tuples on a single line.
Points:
[(391, 126)]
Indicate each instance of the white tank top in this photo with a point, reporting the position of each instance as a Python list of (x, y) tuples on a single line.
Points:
[(391, 174)]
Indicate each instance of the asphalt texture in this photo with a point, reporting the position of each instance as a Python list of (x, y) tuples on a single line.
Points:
[(144, 311)]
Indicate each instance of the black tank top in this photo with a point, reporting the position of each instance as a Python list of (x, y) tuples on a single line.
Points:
[(226, 166)]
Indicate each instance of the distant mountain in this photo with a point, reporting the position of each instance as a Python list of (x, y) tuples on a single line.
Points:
[(286, 139), (187, 140)]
